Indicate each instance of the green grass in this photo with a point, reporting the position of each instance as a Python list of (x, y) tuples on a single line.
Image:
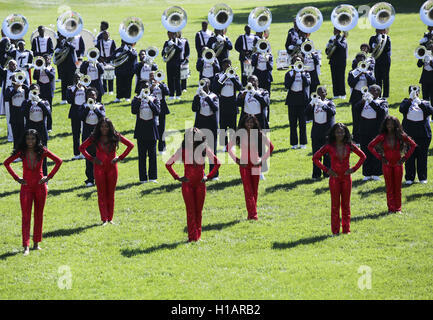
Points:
[(287, 254)]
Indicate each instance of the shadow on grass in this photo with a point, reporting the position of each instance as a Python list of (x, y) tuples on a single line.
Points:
[(6, 255), (133, 252), (87, 195), (305, 241), (284, 126), (370, 216), (355, 184), (416, 196), (216, 226), (280, 151), (9, 193), (67, 232), (161, 189), (289, 186)]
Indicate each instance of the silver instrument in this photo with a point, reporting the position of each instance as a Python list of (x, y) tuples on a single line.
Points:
[(260, 19), (93, 55), (208, 56), (39, 63), (159, 76), (262, 46), (220, 16), (307, 47), (309, 19), (15, 26), (85, 80), (151, 54), (19, 77), (69, 24), (381, 17), (131, 30), (229, 73), (426, 13), (423, 54), (173, 19)]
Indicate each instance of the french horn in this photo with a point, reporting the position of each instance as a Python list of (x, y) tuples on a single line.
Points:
[(15, 26), (260, 19), (220, 16), (131, 30)]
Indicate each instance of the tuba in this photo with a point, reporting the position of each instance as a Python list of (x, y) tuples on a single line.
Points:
[(39, 63), (131, 30), (381, 17), (15, 26), (173, 19), (220, 16), (309, 19), (69, 24), (208, 56), (260, 19), (344, 18), (426, 13)]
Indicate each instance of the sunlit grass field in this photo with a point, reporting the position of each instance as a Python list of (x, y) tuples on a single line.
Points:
[(287, 254)]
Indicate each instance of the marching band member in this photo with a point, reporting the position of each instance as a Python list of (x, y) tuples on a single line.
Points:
[(371, 111), (297, 84), (294, 38), (79, 46), (365, 49), (142, 70), (146, 107), (337, 63), (206, 107), (217, 40), (383, 62), (15, 96), (90, 114), (67, 67), (160, 90), (5, 46), (46, 79), (263, 64), (41, 44), (202, 37), (322, 112), (339, 147), (95, 70), (76, 97), (244, 45), (393, 142), (194, 178), (173, 65), (184, 57), (225, 86), (125, 72), (6, 77), (106, 47), (36, 111), (24, 59), (416, 124), (102, 29), (33, 183), (207, 69), (252, 143), (254, 102), (106, 141), (358, 79), (426, 79), (312, 64)]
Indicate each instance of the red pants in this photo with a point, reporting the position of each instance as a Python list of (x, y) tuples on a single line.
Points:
[(340, 196), (251, 186), (29, 194), (194, 196), (106, 180), (393, 176)]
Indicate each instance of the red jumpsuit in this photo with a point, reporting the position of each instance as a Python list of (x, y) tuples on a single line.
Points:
[(105, 174), (31, 192), (340, 186), (392, 172), (250, 173), (193, 191)]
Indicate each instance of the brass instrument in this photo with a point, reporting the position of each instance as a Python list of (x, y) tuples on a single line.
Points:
[(151, 53), (262, 46), (173, 19), (131, 30), (423, 54), (144, 93), (260, 19), (93, 55), (220, 16), (344, 18), (15, 26), (85, 80), (159, 75), (229, 73), (249, 87), (201, 83), (309, 19), (39, 63), (307, 47), (208, 56), (381, 17), (69, 24), (19, 77), (363, 66)]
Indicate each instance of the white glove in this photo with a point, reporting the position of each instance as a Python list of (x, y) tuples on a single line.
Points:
[(170, 42), (299, 42), (91, 107), (369, 97), (417, 101), (220, 38)]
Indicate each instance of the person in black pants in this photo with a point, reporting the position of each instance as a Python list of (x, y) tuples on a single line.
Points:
[(298, 85), (16, 94), (67, 68), (371, 111), (146, 108), (426, 79), (263, 65), (95, 70), (337, 63), (294, 38), (184, 57), (173, 65), (160, 91), (207, 69), (416, 124), (202, 37), (226, 93), (90, 114), (206, 106), (106, 47), (322, 112), (383, 62), (76, 97), (220, 40), (244, 45), (125, 72)]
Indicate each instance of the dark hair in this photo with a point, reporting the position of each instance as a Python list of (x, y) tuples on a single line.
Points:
[(398, 132), (113, 135), (22, 144), (34, 85), (364, 45), (226, 60), (256, 125), (330, 137), (105, 24), (195, 142), (90, 89)]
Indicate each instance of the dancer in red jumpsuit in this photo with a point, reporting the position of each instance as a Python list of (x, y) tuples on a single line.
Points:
[(339, 147), (250, 163), (193, 181), (106, 139), (33, 183), (392, 142)]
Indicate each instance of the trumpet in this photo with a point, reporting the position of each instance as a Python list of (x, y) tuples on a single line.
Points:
[(423, 54), (69, 24), (363, 66), (201, 83), (131, 30), (249, 87), (39, 63), (309, 19), (91, 103), (34, 95), (159, 75), (15, 26), (426, 13), (229, 73), (260, 19), (220, 16), (414, 92), (262, 46), (298, 66), (85, 80), (144, 93), (151, 53), (93, 55), (307, 47), (19, 77), (208, 56), (364, 90)]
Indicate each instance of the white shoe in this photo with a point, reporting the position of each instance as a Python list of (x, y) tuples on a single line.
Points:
[(116, 100), (111, 93), (423, 181), (75, 157), (308, 121), (343, 97), (409, 182), (215, 179), (161, 153), (303, 146), (128, 100), (49, 131), (225, 149), (89, 184), (104, 223), (178, 98), (170, 98), (366, 178), (295, 147), (81, 156), (111, 222), (145, 181), (63, 102), (375, 178), (262, 177), (153, 180), (184, 90)]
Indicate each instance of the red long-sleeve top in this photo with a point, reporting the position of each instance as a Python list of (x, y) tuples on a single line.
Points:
[(250, 153), (101, 152), (193, 171), (392, 155), (339, 166), (32, 176)]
